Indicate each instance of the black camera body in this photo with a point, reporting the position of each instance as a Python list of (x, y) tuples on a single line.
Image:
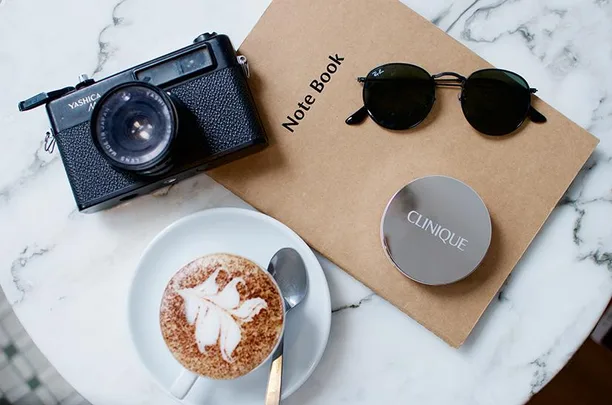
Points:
[(154, 124)]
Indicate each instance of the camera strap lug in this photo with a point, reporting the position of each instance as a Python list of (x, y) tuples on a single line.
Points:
[(244, 63), (43, 98), (49, 142)]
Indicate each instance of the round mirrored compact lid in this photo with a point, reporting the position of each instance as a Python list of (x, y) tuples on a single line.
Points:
[(436, 230)]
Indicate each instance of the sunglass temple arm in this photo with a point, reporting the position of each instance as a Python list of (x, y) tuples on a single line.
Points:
[(358, 116), (533, 114)]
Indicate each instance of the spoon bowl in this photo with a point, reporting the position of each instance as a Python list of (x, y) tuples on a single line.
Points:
[(287, 268)]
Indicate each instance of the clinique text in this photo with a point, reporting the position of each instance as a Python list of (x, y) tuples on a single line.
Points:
[(447, 236)]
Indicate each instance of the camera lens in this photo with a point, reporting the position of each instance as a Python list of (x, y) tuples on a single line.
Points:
[(134, 125)]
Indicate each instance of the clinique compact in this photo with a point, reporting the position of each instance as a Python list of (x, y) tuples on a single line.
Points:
[(436, 230)]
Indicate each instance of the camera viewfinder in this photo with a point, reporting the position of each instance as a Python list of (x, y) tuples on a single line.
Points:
[(171, 70)]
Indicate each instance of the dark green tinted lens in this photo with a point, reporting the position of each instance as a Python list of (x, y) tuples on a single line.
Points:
[(398, 96), (495, 102)]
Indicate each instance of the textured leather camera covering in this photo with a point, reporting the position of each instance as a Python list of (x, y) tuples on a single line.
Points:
[(90, 176), (226, 119)]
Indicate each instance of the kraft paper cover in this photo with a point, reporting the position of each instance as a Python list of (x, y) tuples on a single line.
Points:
[(331, 182)]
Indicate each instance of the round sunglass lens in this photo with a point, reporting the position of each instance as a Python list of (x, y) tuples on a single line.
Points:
[(495, 102), (398, 96)]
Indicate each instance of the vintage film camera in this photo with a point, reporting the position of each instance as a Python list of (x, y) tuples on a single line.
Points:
[(154, 124)]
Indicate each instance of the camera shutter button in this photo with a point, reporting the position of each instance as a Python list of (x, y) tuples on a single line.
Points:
[(84, 81)]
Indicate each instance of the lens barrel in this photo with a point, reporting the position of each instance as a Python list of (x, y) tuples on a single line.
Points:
[(134, 126)]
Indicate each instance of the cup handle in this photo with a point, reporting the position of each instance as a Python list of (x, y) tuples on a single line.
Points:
[(183, 383)]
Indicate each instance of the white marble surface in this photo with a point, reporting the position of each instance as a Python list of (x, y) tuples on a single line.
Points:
[(67, 274)]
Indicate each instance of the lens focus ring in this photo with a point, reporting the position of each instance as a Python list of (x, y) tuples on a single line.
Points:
[(134, 126)]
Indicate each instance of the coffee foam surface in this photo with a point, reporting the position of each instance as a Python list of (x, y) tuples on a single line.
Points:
[(221, 316)]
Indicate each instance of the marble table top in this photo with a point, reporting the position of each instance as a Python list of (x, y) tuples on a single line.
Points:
[(67, 273)]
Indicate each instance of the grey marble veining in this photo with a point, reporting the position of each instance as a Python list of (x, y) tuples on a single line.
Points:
[(67, 273)]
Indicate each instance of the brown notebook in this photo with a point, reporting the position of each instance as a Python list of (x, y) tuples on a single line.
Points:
[(331, 182)]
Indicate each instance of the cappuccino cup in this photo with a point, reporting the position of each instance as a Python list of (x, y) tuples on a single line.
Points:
[(221, 316)]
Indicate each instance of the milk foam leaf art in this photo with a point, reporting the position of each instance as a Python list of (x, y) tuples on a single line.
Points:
[(217, 315)]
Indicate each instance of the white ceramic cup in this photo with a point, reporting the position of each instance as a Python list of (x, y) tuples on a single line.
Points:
[(186, 379)]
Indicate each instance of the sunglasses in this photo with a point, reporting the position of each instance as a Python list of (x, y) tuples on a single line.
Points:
[(399, 96)]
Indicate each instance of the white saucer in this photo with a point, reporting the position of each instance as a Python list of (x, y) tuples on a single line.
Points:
[(246, 233)]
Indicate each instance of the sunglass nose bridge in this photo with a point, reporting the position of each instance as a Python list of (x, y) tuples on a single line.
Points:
[(455, 80)]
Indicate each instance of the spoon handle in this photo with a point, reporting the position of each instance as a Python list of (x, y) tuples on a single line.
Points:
[(273, 392)]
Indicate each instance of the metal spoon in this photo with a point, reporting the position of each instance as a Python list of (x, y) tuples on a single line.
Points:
[(289, 271)]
